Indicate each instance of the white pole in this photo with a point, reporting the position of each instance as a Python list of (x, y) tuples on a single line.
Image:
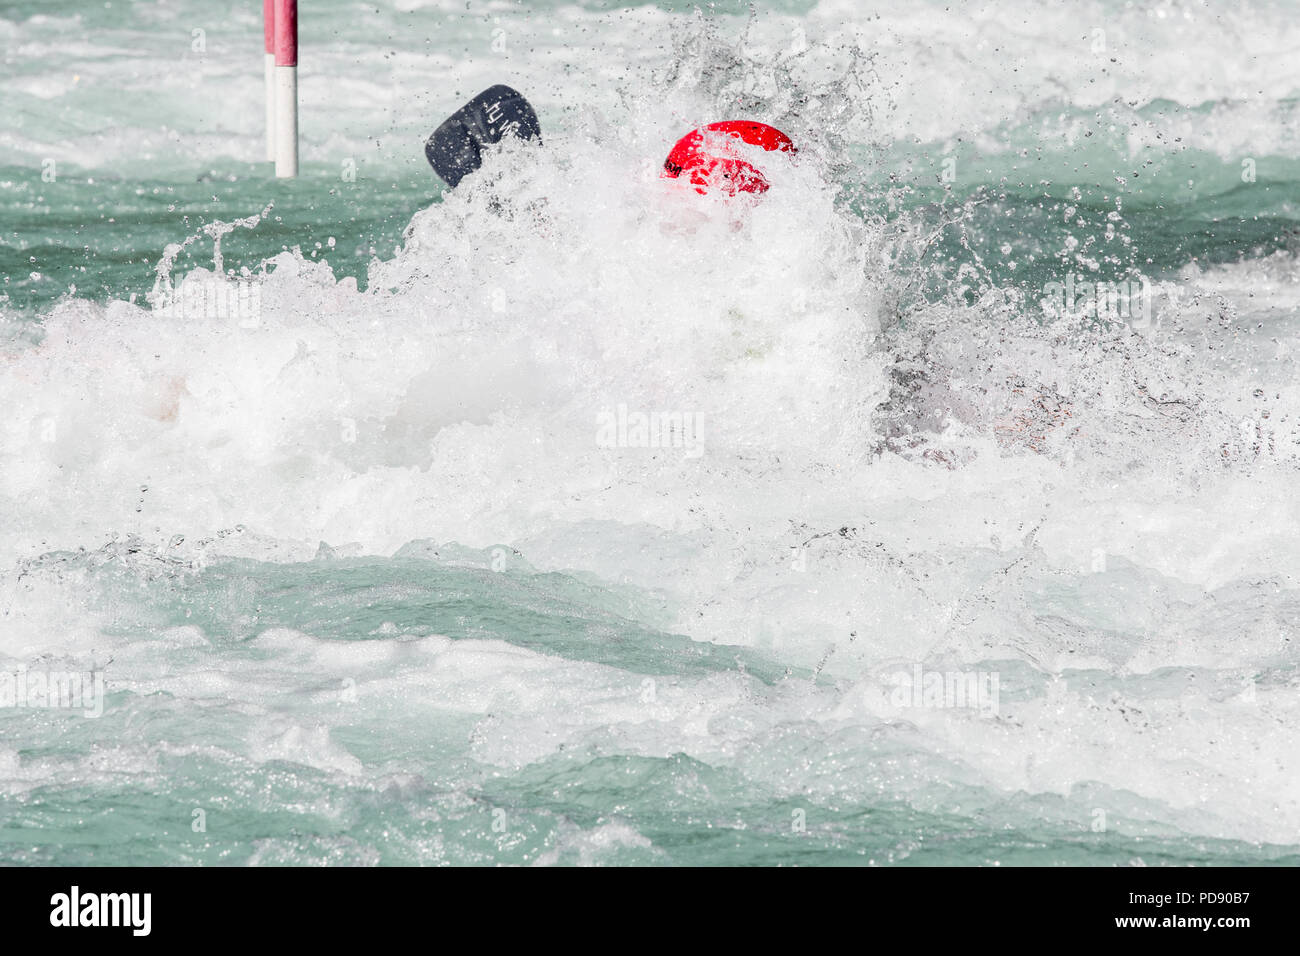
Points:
[(270, 107), (268, 33), (286, 121), (286, 88)]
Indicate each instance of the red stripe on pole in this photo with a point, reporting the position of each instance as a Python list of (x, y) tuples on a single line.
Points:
[(268, 24), (286, 32)]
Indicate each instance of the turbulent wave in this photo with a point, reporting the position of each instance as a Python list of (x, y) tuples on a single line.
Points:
[(596, 494)]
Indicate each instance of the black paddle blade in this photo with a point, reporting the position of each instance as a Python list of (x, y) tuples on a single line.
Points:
[(456, 147)]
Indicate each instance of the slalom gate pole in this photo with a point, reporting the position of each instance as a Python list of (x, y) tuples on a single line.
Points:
[(286, 88), (268, 58)]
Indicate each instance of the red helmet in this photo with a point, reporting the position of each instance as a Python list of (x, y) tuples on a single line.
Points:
[(709, 158)]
